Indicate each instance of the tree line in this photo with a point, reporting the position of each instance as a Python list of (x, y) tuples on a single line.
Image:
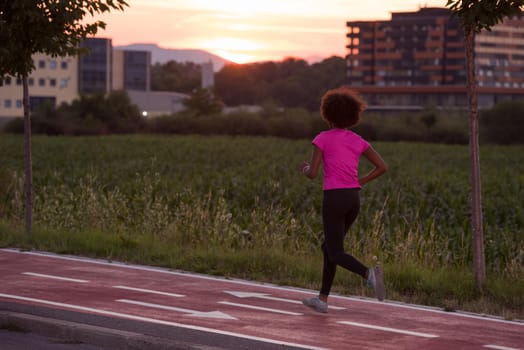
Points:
[(116, 114), (290, 83)]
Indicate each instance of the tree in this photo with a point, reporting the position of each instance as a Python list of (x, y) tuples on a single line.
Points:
[(174, 76), (291, 83), (203, 102), (476, 15), (52, 27), (235, 84)]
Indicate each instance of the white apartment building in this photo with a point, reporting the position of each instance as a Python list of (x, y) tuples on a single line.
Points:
[(54, 79)]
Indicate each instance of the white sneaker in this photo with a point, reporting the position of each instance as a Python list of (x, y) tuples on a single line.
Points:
[(376, 281), (316, 304)]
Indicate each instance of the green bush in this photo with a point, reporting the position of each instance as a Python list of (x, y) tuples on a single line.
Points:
[(294, 123), (96, 115), (87, 115), (503, 124), (14, 126), (427, 126)]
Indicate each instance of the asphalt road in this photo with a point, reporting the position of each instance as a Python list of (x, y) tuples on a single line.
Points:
[(16, 340)]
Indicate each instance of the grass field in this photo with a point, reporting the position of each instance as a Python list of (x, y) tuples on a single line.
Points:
[(237, 206)]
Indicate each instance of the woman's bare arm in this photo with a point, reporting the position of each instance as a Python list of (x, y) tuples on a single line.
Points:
[(380, 166), (311, 169)]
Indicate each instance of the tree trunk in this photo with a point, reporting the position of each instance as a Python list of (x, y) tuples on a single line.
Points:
[(28, 161), (476, 199)]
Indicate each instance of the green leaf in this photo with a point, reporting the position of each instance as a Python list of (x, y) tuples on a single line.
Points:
[(52, 27)]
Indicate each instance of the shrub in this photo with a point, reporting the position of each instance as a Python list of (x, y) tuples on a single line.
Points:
[(503, 124), (15, 126), (295, 123), (87, 115), (427, 126)]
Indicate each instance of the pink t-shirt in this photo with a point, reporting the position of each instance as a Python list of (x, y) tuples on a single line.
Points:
[(341, 151)]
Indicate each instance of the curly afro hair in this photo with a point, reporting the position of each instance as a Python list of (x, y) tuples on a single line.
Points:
[(341, 107)]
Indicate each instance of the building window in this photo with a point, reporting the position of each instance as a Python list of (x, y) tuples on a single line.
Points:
[(18, 103), (7, 81), (63, 83), (7, 103), (31, 81), (52, 82), (52, 64), (63, 65), (41, 64), (18, 81), (41, 82)]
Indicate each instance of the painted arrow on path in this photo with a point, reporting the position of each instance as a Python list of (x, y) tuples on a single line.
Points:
[(269, 297), (150, 291), (194, 313)]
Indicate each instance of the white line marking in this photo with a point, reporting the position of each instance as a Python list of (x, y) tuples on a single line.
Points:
[(267, 297), (387, 329), (260, 308), (54, 277), (150, 291), (195, 313), (262, 285), (498, 347), (162, 322)]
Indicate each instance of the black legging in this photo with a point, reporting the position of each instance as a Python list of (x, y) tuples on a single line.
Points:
[(340, 208)]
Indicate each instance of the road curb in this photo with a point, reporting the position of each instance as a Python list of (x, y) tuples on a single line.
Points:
[(93, 335)]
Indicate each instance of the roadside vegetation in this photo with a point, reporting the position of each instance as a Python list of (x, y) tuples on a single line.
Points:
[(235, 206), (97, 114)]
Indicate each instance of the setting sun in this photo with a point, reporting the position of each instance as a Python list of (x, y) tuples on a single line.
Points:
[(235, 57), (233, 49)]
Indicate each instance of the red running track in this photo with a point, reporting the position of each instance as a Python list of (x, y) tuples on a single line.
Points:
[(241, 309)]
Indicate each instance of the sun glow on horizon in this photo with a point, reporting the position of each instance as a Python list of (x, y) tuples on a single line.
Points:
[(233, 49), (235, 57)]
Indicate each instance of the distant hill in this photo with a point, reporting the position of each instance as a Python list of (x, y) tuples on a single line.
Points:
[(163, 55)]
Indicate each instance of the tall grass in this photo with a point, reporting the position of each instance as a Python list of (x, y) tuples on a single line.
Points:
[(237, 206)]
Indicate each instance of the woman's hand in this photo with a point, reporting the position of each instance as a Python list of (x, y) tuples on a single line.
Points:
[(304, 168), (311, 169)]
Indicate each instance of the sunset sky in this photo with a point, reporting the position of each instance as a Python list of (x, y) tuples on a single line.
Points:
[(247, 31)]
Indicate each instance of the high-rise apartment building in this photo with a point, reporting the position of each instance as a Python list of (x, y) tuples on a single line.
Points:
[(499, 55), (420, 48), (418, 58)]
